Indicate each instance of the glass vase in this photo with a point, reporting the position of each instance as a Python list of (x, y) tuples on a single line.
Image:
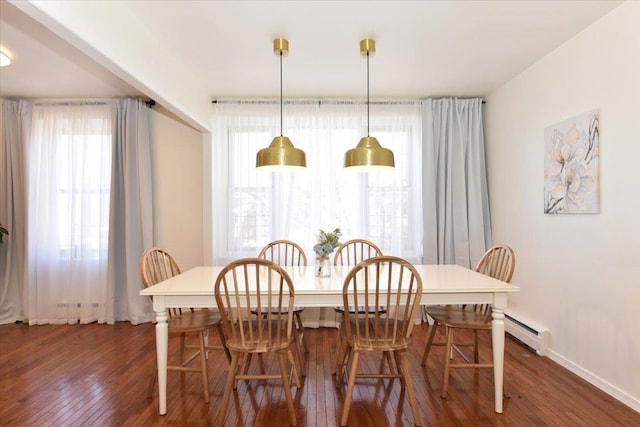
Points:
[(323, 267)]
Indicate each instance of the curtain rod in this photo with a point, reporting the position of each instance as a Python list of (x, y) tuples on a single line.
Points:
[(311, 102), (73, 101), (70, 102), (319, 101)]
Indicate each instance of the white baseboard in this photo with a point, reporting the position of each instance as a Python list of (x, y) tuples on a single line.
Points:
[(622, 396)]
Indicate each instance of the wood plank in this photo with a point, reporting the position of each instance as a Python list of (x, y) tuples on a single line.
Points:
[(98, 374)]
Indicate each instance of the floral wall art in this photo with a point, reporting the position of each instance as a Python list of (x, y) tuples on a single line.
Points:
[(571, 165)]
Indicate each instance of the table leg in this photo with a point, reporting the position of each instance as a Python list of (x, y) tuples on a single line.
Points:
[(497, 331), (162, 349)]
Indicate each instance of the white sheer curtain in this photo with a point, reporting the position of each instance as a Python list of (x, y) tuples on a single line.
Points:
[(69, 173), (251, 207), (457, 221)]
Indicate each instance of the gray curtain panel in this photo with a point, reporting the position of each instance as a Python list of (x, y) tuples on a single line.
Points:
[(457, 223), (131, 219), (16, 125)]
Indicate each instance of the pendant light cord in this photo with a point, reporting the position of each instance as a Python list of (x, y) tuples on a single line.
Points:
[(368, 93), (280, 92)]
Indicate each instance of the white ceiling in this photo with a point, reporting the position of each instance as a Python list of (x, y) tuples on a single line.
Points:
[(46, 66), (423, 48)]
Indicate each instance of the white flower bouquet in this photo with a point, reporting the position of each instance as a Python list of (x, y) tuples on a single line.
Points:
[(327, 242)]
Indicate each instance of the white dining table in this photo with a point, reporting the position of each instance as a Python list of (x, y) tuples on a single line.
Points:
[(442, 284)]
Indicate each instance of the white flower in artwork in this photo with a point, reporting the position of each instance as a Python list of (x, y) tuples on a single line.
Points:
[(566, 147), (575, 183)]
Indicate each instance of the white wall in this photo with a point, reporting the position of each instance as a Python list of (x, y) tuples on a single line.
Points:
[(1, 130), (579, 274), (176, 152), (134, 62)]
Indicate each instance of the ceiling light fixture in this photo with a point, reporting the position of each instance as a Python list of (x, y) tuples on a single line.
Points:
[(368, 154), (281, 154), (4, 59)]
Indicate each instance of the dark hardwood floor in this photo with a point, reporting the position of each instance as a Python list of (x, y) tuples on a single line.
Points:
[(85, 375)]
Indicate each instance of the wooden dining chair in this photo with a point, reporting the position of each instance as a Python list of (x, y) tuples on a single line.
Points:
[(498, 262), (350, 253), (354, 251), (256, 282), (388, 282), (157, 265), (285, 253)]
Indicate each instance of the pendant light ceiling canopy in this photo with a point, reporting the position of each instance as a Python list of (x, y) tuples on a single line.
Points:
[(281, 154), (368, 154)]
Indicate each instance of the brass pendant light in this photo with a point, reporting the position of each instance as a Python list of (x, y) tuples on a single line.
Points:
[(281, 154), (368, 154)]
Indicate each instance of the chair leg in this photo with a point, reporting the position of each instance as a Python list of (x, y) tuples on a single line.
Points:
[(390, 361), (292, 361), (399, 368), (349, 395), (300, 328), (406, 379), (183, 347), (223, 341), (427, 348), (287, 387), (246, 362), (205, 374), (235, 358), (301, 340), (343, 363), (447, 364), (475, 346), (340, 349), (302, 361)]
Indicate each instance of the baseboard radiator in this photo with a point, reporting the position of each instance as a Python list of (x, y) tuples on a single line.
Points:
[(534, 336)]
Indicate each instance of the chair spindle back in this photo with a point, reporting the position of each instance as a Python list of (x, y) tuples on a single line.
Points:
[(391, 288), (157, 265), (498, 262), (354, 251), (258, 284), (284, 253)]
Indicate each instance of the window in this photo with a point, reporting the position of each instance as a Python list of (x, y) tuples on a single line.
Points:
[(83, 163), (264, 206)]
